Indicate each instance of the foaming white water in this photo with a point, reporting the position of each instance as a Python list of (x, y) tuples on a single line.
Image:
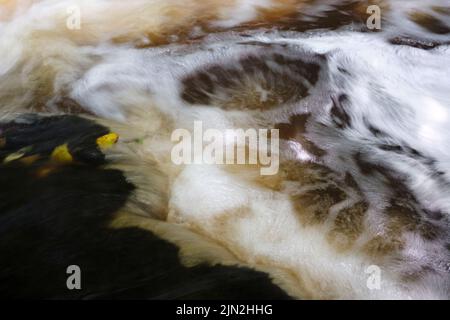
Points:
[(394, 88), (400, 22), (401, 91)]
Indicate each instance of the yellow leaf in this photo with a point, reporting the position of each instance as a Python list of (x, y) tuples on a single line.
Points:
[(108, 140), (13, 156), (62, 154), (17, 155)]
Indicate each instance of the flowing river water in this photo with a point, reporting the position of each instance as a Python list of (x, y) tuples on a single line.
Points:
[(363, 114)]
